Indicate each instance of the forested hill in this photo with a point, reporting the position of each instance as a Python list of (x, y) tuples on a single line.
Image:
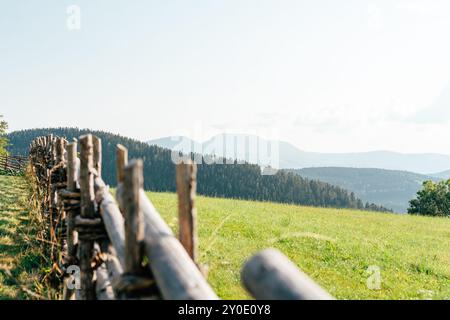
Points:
[(390, 188), (242, 181)]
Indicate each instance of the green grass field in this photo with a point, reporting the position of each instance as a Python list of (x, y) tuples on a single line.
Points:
[(20, 257), (335, 247)]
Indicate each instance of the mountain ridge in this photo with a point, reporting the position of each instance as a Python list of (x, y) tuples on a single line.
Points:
[(442, 175)]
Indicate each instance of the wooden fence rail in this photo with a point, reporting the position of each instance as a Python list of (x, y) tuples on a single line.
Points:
[(122, 246), (13, 164)]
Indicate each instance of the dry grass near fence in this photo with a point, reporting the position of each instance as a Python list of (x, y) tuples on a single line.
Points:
[(23, 264)]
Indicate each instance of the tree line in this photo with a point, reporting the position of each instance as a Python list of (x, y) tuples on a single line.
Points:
[(230, 180)]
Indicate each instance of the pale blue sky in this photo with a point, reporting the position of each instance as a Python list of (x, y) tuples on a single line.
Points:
[(351, 75)]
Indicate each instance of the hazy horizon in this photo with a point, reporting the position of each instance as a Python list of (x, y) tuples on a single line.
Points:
[(353, 76), (299, 147)]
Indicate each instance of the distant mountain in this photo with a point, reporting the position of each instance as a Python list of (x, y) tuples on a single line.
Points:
[(392, 189), (289, 156), (420, 163), (231, 180), (441, 175), (178, 143)]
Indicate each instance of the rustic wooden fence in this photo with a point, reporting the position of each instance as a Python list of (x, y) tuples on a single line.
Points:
[(12, 164), (121, 246)]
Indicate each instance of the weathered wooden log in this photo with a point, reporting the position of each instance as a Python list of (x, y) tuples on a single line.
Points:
[(72, 234), (270, 275), (134, 227), (134, 287), (50, 149), (87, 211), (86, 177), (59, 150), (97, 154), (187, 213), (112, 218), (69, 195), (113, 264), (91, 222), (49, 140), (103, 284), (52, 196), (114, 225), (108, 272), (121, 162), (61, 178), (105, 277), (175, 272)]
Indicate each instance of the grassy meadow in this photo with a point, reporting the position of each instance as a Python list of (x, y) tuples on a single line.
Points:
[(20, 256), (334, 246)]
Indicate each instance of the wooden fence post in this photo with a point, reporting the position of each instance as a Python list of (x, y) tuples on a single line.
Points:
[(59, 150), (87, 211), (134, 226), (50, 147), (51, 195), (121, 162), (187, 213), (72, 234), (97, 154)]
